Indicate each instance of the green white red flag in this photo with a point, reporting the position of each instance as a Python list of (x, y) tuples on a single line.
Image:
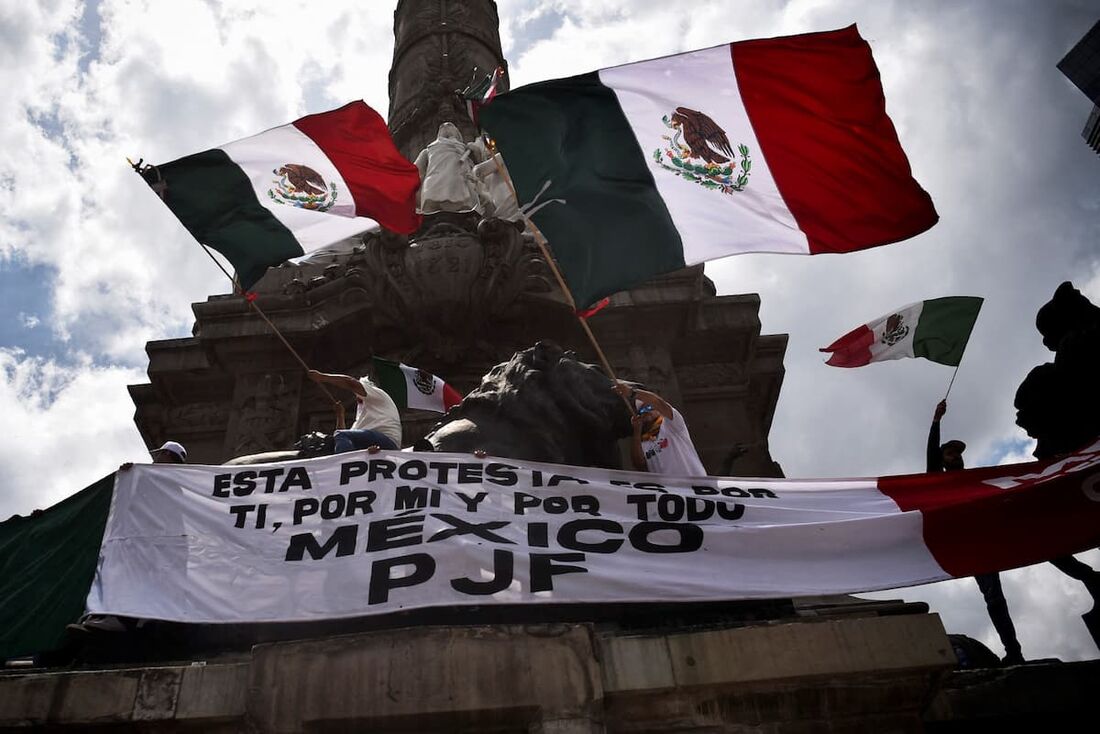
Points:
[(292, 189), (777, 145), (411, 387), (936, 329)]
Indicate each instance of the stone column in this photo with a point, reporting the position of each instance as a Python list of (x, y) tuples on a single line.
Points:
[(437, 46)]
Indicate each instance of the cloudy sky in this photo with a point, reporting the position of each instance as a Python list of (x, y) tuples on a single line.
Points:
[(92, 266)]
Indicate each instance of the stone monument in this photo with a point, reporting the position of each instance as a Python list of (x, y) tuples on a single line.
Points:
[(462, 294)]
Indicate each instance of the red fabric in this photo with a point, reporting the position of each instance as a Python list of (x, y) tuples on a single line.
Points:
[(817, 107), (972, 527), (595, 308), (382, 182), (451, 397), (851, 350)]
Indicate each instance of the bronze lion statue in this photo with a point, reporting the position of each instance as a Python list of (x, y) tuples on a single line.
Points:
[(541, 405)]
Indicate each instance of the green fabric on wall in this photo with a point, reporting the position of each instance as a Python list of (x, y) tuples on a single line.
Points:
[(47, 563)]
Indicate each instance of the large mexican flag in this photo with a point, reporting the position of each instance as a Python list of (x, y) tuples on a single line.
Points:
[(292, 189), (778, 145)]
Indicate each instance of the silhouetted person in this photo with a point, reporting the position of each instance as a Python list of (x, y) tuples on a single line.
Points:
[(948, 457), (1058, 403)]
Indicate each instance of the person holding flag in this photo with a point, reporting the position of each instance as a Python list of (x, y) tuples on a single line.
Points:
[(948, 457), (377, 422)]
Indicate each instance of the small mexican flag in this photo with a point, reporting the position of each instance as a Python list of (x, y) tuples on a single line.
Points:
[(775, 145), (271, 197), (937, 329), (414, 388)]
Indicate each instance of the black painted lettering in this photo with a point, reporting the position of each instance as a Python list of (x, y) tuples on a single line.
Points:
[(222, 483), (642, 502), (296, 478), (688, 537), (501, 474), (240, 513), (503, 572), (383, 468), (343, 541), (382, 582), (410, 498), (567, 535), (350, 470), (545, 566), (303, 508), (395, 532), (472, 502)]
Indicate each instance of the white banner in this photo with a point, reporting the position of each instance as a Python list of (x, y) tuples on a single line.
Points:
[(358, 534)]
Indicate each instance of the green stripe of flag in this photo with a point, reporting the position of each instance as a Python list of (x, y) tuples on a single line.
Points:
[(215, 201), (47, 564), (613, 230), (390, 378), (944, 328)]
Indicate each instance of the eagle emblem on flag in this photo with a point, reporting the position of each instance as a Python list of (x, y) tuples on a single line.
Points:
[(424, 381), (896, 330), (698, 150), (299, 185)]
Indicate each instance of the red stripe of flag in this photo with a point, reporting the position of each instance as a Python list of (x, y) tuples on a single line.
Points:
[(971, 527), (451, 397), (818, 110), (851, 350), (382, 182)]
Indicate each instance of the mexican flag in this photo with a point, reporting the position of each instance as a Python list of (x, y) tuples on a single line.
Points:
[(273, 196), (414, 388), (779, 145), (937, 329)]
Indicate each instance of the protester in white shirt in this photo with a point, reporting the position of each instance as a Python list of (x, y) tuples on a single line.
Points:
[(377, 421), (661, 442)]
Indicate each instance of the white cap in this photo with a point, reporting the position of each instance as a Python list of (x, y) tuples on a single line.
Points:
[(173, 448)]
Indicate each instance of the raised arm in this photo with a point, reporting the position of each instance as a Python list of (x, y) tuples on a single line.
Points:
[(935, 454), (346, 382)]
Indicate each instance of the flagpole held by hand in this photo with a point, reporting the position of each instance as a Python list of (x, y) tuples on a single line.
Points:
[(953, 375)]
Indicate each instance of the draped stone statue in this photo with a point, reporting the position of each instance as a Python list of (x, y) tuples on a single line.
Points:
[(447, 173)]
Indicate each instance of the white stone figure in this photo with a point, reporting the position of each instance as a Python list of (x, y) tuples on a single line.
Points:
[(447, 173), (497, 196)]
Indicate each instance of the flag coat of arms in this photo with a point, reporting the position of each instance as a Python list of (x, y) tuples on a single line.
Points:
[(292, 189), (937, 329), (780, 145)]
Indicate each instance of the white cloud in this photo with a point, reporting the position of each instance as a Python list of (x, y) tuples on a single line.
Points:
[(62, 427), (28, 320)]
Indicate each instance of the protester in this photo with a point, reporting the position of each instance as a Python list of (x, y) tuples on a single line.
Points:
[(948, 457), (377, 421), (661, 443), (170, 453)]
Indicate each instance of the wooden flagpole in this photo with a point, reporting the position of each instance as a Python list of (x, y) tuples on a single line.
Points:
[(338, 407)]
